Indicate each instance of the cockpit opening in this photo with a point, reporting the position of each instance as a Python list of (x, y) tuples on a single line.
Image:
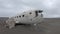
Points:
[(40, 11), (36, 12)]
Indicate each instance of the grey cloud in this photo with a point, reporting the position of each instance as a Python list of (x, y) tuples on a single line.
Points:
[(11, 7)]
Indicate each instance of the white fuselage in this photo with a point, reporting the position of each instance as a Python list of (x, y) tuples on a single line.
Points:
[(30, 17)]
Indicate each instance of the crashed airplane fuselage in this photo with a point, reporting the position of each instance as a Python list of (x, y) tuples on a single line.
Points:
[(28, 17)]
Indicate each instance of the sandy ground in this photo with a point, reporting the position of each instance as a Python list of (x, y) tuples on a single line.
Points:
[(49, 26)]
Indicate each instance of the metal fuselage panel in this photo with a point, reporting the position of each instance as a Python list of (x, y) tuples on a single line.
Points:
[(30, 18)]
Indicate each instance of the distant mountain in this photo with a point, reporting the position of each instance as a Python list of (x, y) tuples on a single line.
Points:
[(3, 18)]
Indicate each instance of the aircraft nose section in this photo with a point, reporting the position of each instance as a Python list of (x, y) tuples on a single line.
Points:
[(37, 12)]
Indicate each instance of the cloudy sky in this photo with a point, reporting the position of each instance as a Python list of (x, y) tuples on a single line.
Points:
[(51, 8)]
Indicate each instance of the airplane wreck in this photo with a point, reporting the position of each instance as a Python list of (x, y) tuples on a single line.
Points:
[(29, 17)]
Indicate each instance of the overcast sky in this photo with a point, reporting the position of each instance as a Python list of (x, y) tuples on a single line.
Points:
[(51, 8)]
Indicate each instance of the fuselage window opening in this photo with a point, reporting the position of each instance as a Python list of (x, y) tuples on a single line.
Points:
[(19, 16), (22, 15), (30, 13), (36, 12)]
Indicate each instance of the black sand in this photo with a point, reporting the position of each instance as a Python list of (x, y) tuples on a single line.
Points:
[(49, 26)]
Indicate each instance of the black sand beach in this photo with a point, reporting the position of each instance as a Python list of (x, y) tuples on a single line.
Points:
[(49, 26)]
